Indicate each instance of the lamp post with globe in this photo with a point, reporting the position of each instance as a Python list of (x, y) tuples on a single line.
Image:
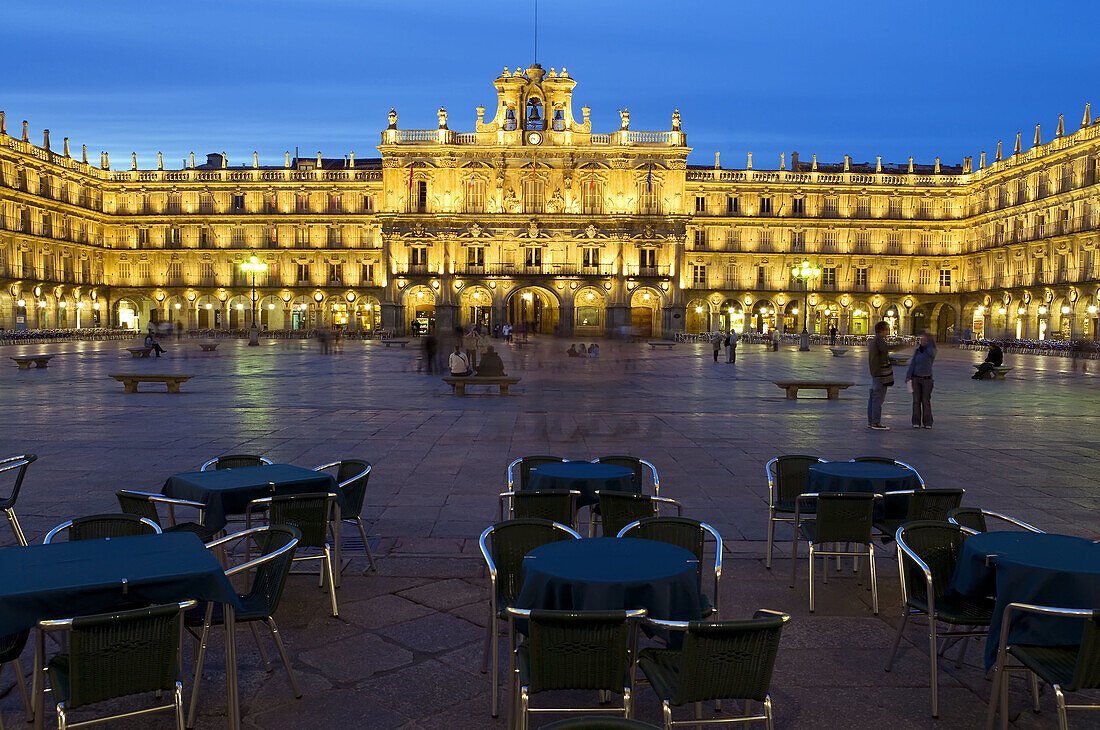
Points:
[(254, 266), (804, 273)]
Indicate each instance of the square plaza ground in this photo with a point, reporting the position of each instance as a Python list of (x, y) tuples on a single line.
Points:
[(405, 652)]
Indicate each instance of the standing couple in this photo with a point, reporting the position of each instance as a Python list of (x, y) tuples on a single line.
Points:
[(730, 343), (918, 376)]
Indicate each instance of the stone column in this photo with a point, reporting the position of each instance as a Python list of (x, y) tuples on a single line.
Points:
[(845, 321), (567, 315)]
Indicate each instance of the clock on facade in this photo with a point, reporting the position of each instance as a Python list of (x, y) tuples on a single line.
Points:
[(534, 138)]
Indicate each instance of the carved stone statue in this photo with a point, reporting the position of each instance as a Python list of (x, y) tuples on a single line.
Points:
[(676, 120), (442, 114), (532, 230), (590, 231), (624, 120), (556, 202), (393, 119), (511, 202)]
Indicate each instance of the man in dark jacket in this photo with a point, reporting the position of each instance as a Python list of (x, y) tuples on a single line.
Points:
[(994, 359), (882, 375)]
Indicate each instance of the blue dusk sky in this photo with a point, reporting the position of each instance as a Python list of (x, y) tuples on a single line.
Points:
[(885, 77)]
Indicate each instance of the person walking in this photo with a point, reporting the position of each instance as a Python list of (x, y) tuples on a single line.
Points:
[(429, 353), (882, 375), (716, 342), (919, 378), (832, 336), (731, 353)]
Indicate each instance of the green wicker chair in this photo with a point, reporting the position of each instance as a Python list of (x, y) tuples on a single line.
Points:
[(636, 465), (11, 648), (234, 461), (352, 477), (787, 478), (838, 517), (556, 505), (504, 546), (924, 504), (619, 509), (720, 660), (1064, 668), (927, 554), (15, 469), (276, 545), (893, 462), (97, 527), (519, 471), (118, 655), (144, 504), (573, 650), (692, 536), (599, 723), (977, 519), (313, 514)]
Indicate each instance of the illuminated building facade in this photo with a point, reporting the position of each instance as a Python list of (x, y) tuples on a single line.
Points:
[(534, 217)]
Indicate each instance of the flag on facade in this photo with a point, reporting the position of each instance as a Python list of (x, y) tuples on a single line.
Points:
[(649, 179)]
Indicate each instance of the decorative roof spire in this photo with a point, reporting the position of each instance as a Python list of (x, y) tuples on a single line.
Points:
[(192, 160), (133, 160), (750, 162), (847, 163), (716, 165), (46, 139), (160, 161), (998, 157), (1087, 119), (3, 124), (1016, 149), (910, 164), (255, 159), (782, 160), (981, 160), (84, 153), (1061, 125), (878, 163), (25, 137), (937, 166), (1038, 140), (225, 160), (288, 158), (814, 166), (67, 147)]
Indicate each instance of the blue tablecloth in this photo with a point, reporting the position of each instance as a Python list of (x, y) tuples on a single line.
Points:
[(609, 573), (228, 491), (585, 477), (1029, 567), (868, 477), (66, 579)]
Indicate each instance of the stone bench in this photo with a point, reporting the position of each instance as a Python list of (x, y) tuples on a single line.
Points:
[(387, 343), (40, 361), (832, 389), (838, 351), (999, 371), (137, 352), (130, 381), (209, 346), (655, 345), (458, 384)]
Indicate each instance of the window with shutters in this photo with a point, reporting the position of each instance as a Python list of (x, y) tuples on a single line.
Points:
[(335, 273), (733, 205), (765, 206), (699, 239), (798, 207), (699, 275), (700, 205), (303, 273), (206, 272), (475, 195), (366, 274), (828, 277), (534, 196), (861, 278), (532, 256), (925, 277), (475, 256), (945, 279), (335, 203), (590, 258), (798, 241), (893, 277), (592, 198)]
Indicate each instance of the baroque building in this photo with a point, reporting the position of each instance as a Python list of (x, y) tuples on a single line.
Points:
[(534, 217)]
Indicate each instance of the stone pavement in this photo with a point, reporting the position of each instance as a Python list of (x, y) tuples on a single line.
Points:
[(406, 651)]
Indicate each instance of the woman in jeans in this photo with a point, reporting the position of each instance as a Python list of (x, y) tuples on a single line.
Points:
[(919, 376)]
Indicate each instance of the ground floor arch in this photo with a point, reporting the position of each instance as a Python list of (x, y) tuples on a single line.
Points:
[(645, 312), (420, 309), (763, 316), (589, 311), (697, 317), (533, 308), (476, 307), (731, 316)]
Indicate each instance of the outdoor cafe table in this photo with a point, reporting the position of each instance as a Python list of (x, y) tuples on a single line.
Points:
[(67, 579), (1030, 567), (585, 477), (866, 476), (228, 491), (611, 574)]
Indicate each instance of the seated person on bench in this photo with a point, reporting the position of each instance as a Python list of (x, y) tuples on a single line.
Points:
[(491, 365), (994, 359), (459, 363), (152, 344)]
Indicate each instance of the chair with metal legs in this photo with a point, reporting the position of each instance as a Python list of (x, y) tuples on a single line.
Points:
[(927, 554), (144, 504), (14, 469), (837, 517), (977, 519), (352, 477), (503, 546), (1070, 668), (556, 505), (97, 527), (691, 535), (11, 648), (276, 545), (787, 478)]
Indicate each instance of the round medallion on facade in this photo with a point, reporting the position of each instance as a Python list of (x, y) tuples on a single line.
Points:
[(534, 138)]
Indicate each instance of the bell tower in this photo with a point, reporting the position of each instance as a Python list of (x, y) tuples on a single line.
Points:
[(533, 100)]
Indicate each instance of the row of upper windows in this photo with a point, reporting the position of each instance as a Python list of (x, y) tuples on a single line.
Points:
[(207, 203), (766, 277), (829, 206), (209, 272)]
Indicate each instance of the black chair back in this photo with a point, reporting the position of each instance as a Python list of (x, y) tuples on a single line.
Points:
[(578, 650), (14, 469), (556, 505), (844, 517), (728, 659)]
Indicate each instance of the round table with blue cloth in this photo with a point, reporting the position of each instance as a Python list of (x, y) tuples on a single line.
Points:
[(865, 476), (585, 477), (1029, 567), (611, 574)]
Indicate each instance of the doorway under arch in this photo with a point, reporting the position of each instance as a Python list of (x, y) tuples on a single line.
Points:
[(535, 306)]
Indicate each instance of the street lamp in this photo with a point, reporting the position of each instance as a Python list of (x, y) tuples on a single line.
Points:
[(254, 266), (804, 273)]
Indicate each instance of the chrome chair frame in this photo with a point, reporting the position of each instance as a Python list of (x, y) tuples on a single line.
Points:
[(200, 655), (171, 502), (520, 699), (656, 502), (511, 473), (21, 463), (214, 462), (69, 523), (493, 645), (666, 708), (1000, 681), (717, 554), (39, 680), (934, 635), (998, 516), (263, 505), (643, 462), (773, 517), (869, 553), (507, 505), (357, 520)]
